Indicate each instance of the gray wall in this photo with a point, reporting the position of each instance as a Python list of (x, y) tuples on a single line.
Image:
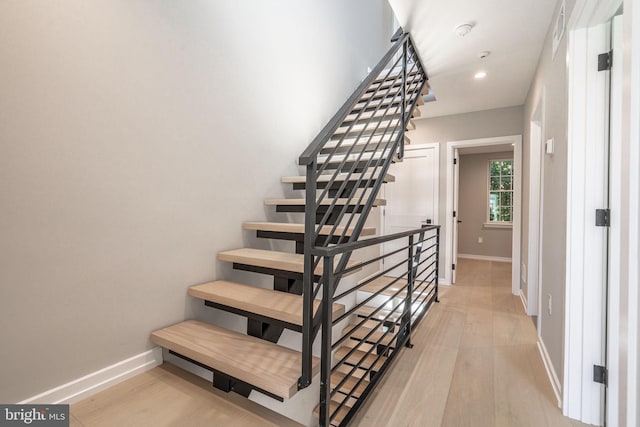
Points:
[(481, 124), (473, 205), (550, 78), (135, 139)]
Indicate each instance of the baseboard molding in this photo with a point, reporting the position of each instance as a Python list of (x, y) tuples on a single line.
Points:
[(525, 303), (485, 258), (551, 372), (84, 387), (443, 282)]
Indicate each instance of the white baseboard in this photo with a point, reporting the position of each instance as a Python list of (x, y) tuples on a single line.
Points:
[(485, 258), (84, 387), (525, 303), (551, 372), (443, 282)]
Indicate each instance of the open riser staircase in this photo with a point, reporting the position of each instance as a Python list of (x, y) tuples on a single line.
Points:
[(346, 166)]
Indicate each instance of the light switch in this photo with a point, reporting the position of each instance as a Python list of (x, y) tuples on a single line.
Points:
[(548, 147)]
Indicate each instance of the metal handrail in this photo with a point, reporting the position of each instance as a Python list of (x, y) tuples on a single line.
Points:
[(404, 307), (373, 120)]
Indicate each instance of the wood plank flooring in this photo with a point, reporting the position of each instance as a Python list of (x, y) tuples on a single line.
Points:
[(167, 396), (474, 363)]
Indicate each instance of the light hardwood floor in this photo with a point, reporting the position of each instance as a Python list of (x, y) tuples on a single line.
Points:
[(474, 363)]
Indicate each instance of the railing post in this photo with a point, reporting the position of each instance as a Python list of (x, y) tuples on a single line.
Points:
[(328, 280), (410, 279), (307, 279), (437, 262), (403, 95)]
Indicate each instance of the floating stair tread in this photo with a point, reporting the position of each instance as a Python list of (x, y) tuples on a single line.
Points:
[(349, 385), (371, 360), (380, 283), (375, 155), (325, 202), (271, 259), (283, 227), (265, 302), (339, 416), (365, 311), (376, 338), (260, 363), (358, 142), (327, 177)]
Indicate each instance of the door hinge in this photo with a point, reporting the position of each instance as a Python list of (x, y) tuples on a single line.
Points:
[(453, 266), (603, 217), (455, 214), (455, 161), (605, 60), (600, 374)]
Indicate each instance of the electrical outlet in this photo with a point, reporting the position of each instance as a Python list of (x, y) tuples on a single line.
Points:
[(480, 239), (550, 304)]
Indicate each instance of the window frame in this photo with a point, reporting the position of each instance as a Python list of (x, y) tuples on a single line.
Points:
[(499, 224)]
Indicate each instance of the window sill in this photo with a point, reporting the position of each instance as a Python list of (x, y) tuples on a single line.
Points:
[(506, 225)]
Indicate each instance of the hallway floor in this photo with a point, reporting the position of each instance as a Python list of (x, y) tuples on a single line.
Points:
[(475, 362)]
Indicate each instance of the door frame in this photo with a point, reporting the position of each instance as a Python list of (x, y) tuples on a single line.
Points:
[(583, 399), (516, 141), (532, 299)]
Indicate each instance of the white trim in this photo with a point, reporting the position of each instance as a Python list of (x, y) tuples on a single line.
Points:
[(536, 194), (551, 372), (507, 225), (516, 140), (443, 282), (485, 257), (616, 229), (586, 244), (88, 385), (523, 298), (631, 395)]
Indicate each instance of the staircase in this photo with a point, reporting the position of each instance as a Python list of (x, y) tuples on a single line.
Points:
[(346, 166)]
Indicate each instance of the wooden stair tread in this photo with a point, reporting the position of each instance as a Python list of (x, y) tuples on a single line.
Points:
[(365, 311), (371, 360), (284, 227), (359, 142), (271, 259), (265, 302), (337, 417), (324, 202), (376, 338), (380, 283), (384, 125), (349, 385), (259, 363), (339, 178)]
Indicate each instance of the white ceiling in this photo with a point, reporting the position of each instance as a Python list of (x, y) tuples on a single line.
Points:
[(513, 30)]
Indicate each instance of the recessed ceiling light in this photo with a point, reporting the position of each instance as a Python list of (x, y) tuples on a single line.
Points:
[(480, 75)]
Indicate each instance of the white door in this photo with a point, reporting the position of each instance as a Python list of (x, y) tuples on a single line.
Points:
[(454, 222), (412, 200)]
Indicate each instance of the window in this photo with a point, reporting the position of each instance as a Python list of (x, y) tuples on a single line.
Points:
[(500, 191)]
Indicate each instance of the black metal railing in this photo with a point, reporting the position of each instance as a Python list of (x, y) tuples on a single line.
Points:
[(396, 298), (346, 165)]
